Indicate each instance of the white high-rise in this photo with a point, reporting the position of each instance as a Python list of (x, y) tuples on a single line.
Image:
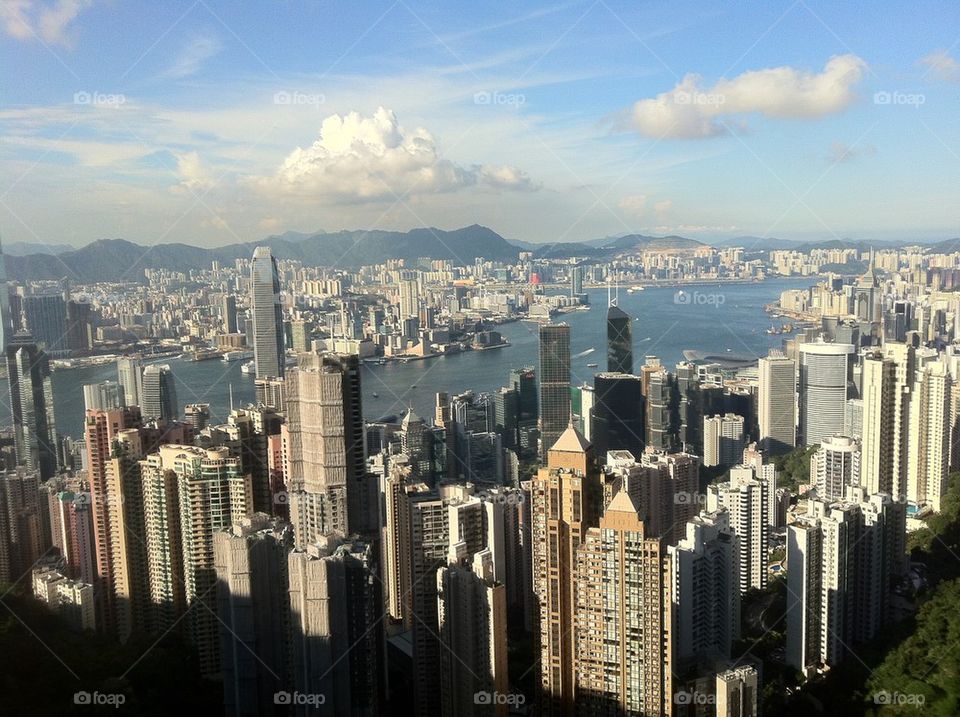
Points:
[(824, 371), (266, 314), (777, 403), (722, 440), (928, 442), (130, 376), (835, 467)]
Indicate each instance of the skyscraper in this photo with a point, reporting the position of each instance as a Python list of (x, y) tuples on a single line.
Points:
[(159, 397), (879, 435), (623, 639), (229, 313), (130, 376), (619, 340), (835, 467), (928, 443), (6, 319), (824, 374), (554, 384), (31, 404), (722, 440), (45, 317), (103, 396), (777, 403), (326, 473), (266, 314), (617, 420)]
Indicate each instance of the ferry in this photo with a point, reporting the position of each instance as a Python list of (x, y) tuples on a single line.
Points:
[(250, 367), (591, 365), (236, 356)]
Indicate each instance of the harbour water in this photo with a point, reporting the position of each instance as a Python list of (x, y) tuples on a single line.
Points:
[(707, 318)]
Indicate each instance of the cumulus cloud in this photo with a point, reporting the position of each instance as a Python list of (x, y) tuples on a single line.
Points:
[(693, 110), (942, 65), (360, 158), (195, 177), (840, 153), (50, 21), (634, 205)]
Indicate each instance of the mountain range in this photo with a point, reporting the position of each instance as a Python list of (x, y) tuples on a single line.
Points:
[(113, 260)]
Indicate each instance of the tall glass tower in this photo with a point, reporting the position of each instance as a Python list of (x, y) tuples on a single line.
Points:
[(554, 384), (619, 340), (266, 314)]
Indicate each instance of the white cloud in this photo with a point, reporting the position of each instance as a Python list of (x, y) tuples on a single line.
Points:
[(366, 158), (634, 205), (197, 51), (25, 19), (691, 110), (840, 153), (195, 177), (662, 208), (942, 65)]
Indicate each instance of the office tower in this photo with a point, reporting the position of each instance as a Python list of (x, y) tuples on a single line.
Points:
[(45, 317), (617, 418), (159, 397), (79, 325), (661, 410), (326, 473), (270, 392), (130, 377), (623, 640), (928, 442), (554, 384), (6, 315), (266, 314), (31, 405), (472, 621), (506, 415), (409, 301), (228, 314), (301, 332), (835, 466), (777, 403), (842, 557), (197, 415), (103, 396), (566, 499), (619, 340), (524, 382), (21, 534), (722, 440), (695, 399), (188, 495), (824, 374), (749, 497), (253, 607), (705, 590), (737, 692), (576, 283), (336, 618)]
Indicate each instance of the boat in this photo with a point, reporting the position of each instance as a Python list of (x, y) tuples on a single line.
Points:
[(376, 395), (249, 367), (591, 365), (236, 356), (201, 355)]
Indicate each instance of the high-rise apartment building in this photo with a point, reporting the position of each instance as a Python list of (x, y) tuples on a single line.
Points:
[(928, 434), (835, 466), (722, 440), (266, 314), (326, 465)]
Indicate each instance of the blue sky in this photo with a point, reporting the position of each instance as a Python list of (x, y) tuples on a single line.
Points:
[(215, 122)]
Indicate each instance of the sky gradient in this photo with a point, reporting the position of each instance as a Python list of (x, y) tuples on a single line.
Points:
[(214, 122)]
